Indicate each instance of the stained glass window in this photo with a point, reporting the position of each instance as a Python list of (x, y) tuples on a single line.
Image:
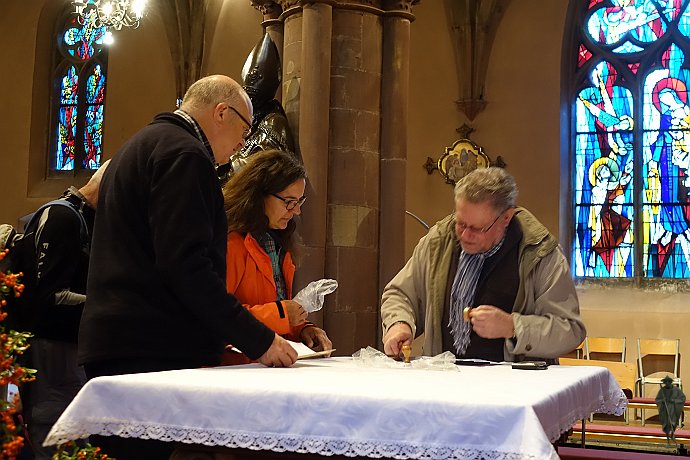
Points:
[(631, 139), (80, 83)]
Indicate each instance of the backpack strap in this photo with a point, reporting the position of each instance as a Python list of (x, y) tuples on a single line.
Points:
[(83, 229)]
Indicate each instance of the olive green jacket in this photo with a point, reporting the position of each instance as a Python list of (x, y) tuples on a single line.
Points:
[(546, 313)]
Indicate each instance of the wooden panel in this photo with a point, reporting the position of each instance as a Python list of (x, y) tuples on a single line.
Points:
[(624, 373)]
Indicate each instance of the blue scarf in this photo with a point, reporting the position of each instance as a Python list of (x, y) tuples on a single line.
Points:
[(267, 242), (462, 294)]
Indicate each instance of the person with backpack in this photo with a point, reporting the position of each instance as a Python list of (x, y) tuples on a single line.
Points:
[(55, 265)]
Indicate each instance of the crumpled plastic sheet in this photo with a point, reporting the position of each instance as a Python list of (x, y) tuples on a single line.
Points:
[(312, 296), (371, 357)]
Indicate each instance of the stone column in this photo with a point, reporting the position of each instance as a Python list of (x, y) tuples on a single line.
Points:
[(394, 99), (344, 114), (306, 91), (352, 255), (292, 65)]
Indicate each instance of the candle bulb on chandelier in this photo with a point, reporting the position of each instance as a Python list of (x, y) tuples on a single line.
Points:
[(114, 14)]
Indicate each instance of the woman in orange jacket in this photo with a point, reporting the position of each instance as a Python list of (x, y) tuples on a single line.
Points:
[(260, 202)]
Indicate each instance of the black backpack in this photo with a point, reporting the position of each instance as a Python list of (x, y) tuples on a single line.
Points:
[(22, 255)]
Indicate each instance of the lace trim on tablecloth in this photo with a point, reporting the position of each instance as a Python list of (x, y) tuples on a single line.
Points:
[(279, 443), (614, 403)]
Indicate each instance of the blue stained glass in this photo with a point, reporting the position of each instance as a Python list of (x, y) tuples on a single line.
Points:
[(93, 129), (671, 8), (80, 39), (628, 47), (79, 117), (604, 234), (627, 19), (69, 87), (93, 136), (616, 150), (95, 86), (603, 177), (67, 129), (666, 113), (684, 21), (665, 255)]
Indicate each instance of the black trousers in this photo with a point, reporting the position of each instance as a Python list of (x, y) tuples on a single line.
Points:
[(134, 448), (58, 380)]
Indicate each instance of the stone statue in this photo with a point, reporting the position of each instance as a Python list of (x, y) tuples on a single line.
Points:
[(670, 400), (261, 77)]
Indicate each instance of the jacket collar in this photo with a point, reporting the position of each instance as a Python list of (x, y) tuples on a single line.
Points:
[(184, 120)]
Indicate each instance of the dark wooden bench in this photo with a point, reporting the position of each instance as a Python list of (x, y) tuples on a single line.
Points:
[(578, 453), (627, 433)]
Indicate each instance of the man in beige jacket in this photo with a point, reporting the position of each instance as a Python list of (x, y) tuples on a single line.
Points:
[(487, 282)]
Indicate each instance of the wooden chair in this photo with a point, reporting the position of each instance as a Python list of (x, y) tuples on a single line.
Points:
[(578, 353), (650, 364), (605, 348)]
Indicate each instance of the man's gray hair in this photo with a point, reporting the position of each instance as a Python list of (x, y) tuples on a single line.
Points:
[(493, 185), (213, 90)]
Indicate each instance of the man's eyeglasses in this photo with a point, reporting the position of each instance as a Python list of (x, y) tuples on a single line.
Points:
[(249, 125), (462, 227), (291, 204)]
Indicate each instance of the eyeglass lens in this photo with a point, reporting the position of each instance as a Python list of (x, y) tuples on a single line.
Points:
[(291, 204)]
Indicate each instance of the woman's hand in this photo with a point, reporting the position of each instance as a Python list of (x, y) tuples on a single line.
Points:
[(315, 338), (295, 312)]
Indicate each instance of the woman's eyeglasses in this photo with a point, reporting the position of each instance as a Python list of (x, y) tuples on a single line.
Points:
[(291, 204)]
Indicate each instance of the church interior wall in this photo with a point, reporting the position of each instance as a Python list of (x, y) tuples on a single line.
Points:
[(520, 123)]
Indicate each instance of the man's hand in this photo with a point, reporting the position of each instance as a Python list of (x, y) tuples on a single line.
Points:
[(315, 338), (296, 314), (398, 335), (491, 322), (279, 354)]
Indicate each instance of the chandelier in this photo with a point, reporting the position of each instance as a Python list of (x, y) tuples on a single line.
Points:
[(113, 14)]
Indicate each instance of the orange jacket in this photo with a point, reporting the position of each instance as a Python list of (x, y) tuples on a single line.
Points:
[(250, 278)]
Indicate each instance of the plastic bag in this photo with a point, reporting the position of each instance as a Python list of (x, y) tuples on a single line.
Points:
[(371, 357), (311, 297)]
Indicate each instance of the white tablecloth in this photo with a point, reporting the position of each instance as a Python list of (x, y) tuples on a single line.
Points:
[(333, 406)]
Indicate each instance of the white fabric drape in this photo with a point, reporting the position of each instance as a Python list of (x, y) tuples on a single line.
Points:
[(334, 407)]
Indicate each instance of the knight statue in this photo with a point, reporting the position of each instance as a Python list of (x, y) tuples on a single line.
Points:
[(261, 77)]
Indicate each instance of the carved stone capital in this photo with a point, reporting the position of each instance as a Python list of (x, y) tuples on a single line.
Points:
[(369, 3), (399, 5), (287, 4), (269, 8)]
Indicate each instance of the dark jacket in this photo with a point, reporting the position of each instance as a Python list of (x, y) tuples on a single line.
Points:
[(156, 286)]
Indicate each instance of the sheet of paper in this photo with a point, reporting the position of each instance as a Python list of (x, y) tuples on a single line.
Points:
[(304, 352)]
